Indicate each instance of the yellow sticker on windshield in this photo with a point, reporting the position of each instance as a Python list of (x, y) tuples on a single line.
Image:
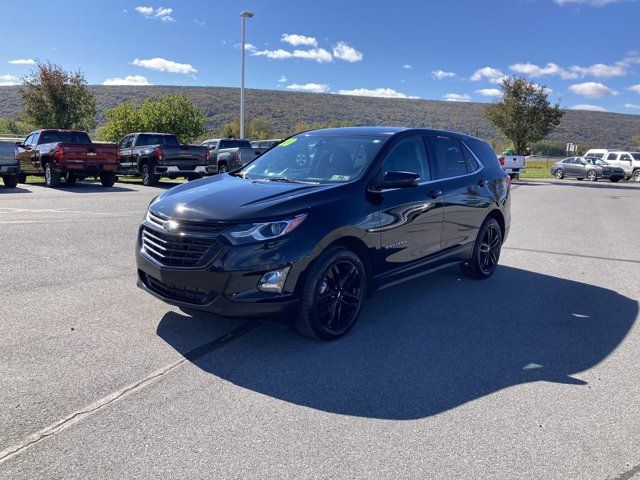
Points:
[(288, 142)]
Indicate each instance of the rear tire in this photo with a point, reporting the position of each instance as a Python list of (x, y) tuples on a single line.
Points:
[(149, 178), (636, 176), (108, 179), (22, 178), (195, 176), (51, 177), (222, 168), (10, 181), (333, 294), (592, 176), (486, 251), (559, 174)]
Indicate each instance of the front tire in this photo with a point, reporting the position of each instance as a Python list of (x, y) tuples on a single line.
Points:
[(10, 181), (51, 177), (332, 295), (486, 251), (108, 179), (559, 174), (614, 180)]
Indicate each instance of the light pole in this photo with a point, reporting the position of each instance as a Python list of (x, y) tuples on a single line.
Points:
[(245, 14)]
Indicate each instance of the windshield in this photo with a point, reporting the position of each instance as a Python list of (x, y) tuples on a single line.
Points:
[(65, 137), (316, 158), (596, 161)]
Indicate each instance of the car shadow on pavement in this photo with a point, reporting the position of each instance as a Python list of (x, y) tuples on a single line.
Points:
[(427, 346), (4, 190), (604, 184)]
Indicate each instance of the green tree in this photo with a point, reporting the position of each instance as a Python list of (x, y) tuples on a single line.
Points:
[(54, 98), (15, 128), (524, 114), (120, 121), (637, 139), (231, 129), (261, 129), (174, 114)]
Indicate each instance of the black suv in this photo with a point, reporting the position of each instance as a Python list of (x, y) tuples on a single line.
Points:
[(310, 228)]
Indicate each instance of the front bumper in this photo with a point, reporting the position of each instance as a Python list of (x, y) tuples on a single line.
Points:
[(216, 288)]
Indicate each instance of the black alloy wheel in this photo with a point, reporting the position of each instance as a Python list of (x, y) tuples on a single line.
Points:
[(333, 294), (486, 251)]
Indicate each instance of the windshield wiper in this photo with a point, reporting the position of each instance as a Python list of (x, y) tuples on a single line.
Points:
[(285, 179)]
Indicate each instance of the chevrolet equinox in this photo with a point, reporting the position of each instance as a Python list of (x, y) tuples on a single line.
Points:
[(311, 227)]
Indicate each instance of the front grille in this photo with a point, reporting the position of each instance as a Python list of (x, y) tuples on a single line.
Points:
[(180, 293), (176, 250), (185, 226)]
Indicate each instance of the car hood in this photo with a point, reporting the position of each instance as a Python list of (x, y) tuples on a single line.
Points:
[(228, 198)]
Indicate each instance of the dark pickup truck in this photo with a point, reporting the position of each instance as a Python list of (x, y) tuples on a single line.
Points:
[(154, 155), (9, 166), (228, 154), (68, 154)]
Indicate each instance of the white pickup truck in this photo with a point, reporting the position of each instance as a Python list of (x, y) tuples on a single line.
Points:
[(514, 165)]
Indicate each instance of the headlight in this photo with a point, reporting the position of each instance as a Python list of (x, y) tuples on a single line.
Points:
[(253, 232)]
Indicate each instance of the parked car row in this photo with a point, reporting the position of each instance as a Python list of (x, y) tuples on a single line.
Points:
[(591, 168), (70, 155)]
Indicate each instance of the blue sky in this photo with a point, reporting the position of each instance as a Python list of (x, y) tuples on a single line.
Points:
[(586, 51)]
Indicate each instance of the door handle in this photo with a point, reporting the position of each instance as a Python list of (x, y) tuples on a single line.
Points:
[(435, 193)]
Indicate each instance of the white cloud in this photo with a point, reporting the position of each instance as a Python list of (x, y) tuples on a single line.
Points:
[(633, 106), (297, 40), (249, 47), (164, 65), (592, 3), (309, 87), (347, 53), (161, 13), (591, 108), (282, 79), (441, 74), (8, 80), (319, 55), (490, 92), (456, 97), (407, 67), (591, 89), (533, 70), (138, 80), (492, 74), (200, 23), (278, 54), (376, 92), (23, 61), (600, 70), (635, 88)]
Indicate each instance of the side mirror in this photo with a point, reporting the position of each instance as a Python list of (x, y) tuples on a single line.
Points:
[(397, 179)]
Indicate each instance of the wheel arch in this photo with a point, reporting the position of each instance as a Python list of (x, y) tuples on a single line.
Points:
[(499, 217)]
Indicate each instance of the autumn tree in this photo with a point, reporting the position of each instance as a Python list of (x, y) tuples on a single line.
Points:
[(55, 98), (524, 114)]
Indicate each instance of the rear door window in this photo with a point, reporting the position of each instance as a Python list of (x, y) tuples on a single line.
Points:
[(612, 156), (449, 157)]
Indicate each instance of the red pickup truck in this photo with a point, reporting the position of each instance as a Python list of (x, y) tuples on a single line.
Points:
[(68, 154)]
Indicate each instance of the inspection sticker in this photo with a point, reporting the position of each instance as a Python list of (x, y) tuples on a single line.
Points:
[(288, 142)]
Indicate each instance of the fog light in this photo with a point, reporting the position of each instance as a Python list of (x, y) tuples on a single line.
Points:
[(273, 281)]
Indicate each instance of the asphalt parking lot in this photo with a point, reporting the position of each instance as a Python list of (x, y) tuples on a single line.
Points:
[(534, 373)]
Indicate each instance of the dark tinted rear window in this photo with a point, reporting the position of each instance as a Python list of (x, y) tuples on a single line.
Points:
[(483, 151), (234, 144), (163, 140), (66, 137)]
